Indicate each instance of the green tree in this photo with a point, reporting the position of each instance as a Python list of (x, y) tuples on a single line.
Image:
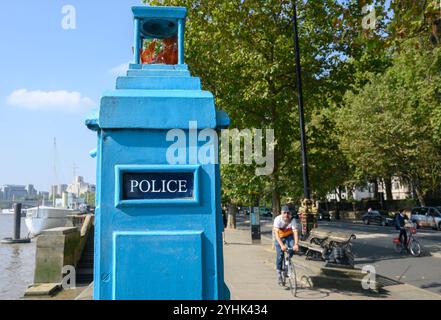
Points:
[(415, 19), (385, 127), (90, 198), (243, 51)]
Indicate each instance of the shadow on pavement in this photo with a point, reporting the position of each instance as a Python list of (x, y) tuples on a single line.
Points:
[(237, 244), (311, 294), (432, 285)]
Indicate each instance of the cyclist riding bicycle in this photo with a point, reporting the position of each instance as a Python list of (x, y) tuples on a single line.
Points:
[(286, 234), (400, 223)]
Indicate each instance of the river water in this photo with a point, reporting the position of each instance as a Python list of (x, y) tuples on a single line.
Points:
[(16, 261)]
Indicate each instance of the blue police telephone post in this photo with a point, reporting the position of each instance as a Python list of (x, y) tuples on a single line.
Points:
[(158, 227)]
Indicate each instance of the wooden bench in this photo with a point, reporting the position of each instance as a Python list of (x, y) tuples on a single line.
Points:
[(339, 237), (311, 246)]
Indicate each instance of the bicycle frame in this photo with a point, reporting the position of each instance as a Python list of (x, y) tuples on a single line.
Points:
[(410, 236), (288, 271), (412, 246), (286, 257)]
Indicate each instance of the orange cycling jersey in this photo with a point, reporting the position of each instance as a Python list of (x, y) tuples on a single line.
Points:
[(283, 233), (285, 228)]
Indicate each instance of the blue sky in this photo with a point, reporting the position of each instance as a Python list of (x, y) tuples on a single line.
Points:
[(50, 79)]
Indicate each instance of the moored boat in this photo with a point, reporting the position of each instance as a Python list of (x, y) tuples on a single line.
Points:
[(42, 218)]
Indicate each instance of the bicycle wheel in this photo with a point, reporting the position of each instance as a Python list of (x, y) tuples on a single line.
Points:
[(415, 248), (284, 276), (292, 279)]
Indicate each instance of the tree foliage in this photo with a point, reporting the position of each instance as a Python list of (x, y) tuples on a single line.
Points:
[(387, 128), (370, 94)]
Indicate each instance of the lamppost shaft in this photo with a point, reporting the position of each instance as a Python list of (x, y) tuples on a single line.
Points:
[(301, 111)]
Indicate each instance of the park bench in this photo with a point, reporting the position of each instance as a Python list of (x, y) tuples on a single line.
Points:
[(332, 247)]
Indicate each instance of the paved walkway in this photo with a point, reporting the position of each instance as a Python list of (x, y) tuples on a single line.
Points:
[(250, 275)]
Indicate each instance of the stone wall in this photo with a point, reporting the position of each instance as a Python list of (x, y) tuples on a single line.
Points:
[(57, 248)]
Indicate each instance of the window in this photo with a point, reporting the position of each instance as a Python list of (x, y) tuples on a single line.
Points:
[(160, 51), (420, 211), (434, 212)]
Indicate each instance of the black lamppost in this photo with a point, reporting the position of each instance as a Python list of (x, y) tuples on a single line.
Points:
[(306, 190)]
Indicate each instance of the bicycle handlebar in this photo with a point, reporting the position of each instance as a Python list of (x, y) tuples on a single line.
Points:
[(289, 250)]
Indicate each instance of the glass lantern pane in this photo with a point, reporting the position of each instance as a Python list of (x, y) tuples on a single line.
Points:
[(160, 51)]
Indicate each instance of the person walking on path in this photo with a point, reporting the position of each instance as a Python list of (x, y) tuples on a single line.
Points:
[(224, 221)]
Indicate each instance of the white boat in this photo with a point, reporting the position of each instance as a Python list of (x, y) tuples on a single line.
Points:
[(7, 211), (10, 212), (43, 218)]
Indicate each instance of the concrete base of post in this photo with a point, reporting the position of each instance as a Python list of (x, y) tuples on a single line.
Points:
[(43, 290)]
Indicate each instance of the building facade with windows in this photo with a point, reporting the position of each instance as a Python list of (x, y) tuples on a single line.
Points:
[(13, 192), (400, 191), (80, 187)]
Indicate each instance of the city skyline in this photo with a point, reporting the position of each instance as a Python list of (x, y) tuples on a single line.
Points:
[(9, 183), (33, 191)]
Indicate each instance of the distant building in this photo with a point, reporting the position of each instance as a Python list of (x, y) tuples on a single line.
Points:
[(61, 188), (79, 187), (58, 189), (356, 193), (32, 192), (69, 201), (400, 191), (53, 191), (13, 192), (43, 194)]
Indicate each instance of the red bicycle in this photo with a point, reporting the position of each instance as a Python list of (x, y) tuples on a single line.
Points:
[(412, 246)]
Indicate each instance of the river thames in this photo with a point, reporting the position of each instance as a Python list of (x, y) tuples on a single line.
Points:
[(16, 261)]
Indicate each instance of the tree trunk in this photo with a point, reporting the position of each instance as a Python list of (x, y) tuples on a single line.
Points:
[(257, 201), (275, 196), (275, 203), (376, 194), (338, 193), (420, 196), (388, 187), (232, 211), (337, 212), (413, 189)]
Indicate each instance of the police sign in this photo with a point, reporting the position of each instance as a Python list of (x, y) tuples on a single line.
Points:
[(158, 185)]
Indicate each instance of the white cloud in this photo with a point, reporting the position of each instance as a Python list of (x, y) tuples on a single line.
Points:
[(120, 70), (50, 100)]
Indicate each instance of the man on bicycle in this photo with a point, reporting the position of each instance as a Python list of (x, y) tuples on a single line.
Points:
[(400, 223), (286, 234)]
